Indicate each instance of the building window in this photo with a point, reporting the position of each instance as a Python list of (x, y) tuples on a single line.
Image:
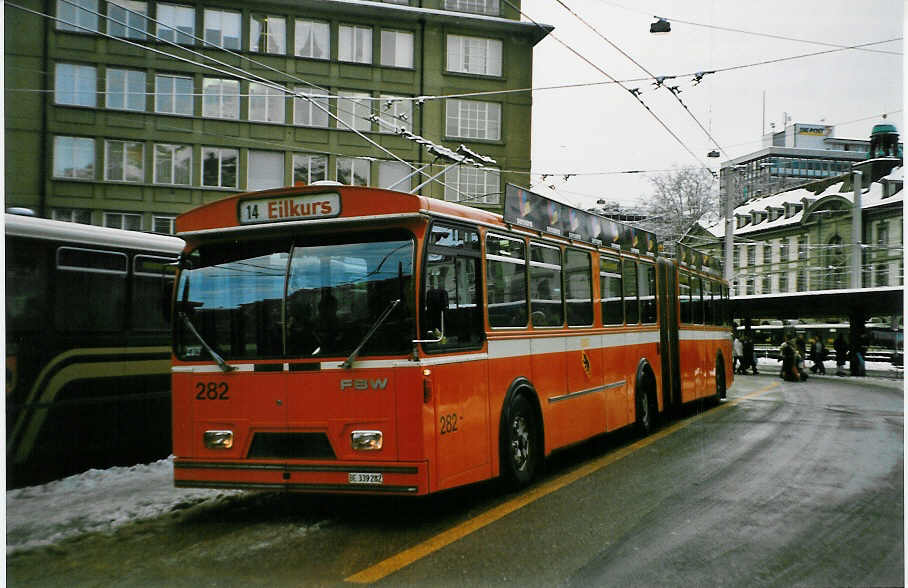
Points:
[(127, 221), (173, 94), (472, 119), (266, 104), (767, 269), (223, 29), (397, 49), (72, 215), (265, 170), (354, 44), (355, 109), (124, 161), (352, 171), (77, 15), (172, 164), (125, 89), (395, 113), (221, 98), (75, 85), (751, 256), (311, 111), (219, 167), (309, 167), (126, 18), (882, 275), (490, 7), (176, 23), (474, 55), (74, 158), (313, 39), (268, 34), (882, 235), (391, 175), (473, 185), (163, 224)]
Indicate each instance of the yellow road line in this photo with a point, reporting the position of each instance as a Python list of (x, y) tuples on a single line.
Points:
[(445, 538)]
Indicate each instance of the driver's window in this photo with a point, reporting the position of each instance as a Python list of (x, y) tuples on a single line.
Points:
[(451, 301)]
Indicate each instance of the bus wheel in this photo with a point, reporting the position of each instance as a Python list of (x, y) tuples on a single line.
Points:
[(720, 379), (644, 422), (520, 450)]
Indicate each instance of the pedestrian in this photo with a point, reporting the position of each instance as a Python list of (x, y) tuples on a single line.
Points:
[(859, 352), (750, 358), (737, 349), (841, 354), (787, 355), (817, 355)]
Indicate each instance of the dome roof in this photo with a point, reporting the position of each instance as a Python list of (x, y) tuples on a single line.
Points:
[(883, 129)]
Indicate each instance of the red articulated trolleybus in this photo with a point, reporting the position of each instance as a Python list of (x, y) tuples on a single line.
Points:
[(345, 339)]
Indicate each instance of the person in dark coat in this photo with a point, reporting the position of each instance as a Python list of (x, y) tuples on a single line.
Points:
[(817, 353), (788, 356), (750, 359), (841, 354)]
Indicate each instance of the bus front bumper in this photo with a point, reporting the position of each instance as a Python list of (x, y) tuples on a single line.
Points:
[(354, 478)]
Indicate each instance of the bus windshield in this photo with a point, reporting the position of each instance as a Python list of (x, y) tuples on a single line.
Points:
[(296, 299)]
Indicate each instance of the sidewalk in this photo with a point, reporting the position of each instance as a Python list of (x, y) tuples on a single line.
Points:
[(874, 369)]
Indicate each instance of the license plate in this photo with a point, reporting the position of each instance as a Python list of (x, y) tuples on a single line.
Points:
[(363, 478)]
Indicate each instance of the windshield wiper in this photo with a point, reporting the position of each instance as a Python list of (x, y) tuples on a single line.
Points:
[(214, 354), (349, 362)]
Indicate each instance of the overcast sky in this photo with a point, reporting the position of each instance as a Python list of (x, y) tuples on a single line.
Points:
[(602, 128)]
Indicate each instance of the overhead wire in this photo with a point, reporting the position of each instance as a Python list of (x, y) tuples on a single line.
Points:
[(746, 32), (609, 76), (659, 80)]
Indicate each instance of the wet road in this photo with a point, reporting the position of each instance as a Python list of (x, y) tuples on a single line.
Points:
[(783, 484)]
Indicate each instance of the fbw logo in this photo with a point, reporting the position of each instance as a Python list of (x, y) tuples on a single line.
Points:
[(363, 384)]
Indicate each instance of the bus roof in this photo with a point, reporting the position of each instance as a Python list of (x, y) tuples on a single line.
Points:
[(51, 230), (306, 204)]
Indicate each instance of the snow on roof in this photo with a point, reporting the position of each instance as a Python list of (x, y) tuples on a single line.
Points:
[(871, 197)]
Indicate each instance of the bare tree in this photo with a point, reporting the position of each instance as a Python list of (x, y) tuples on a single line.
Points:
[(679, 199)]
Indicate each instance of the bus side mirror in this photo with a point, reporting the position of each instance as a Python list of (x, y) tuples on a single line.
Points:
[(438, 334)]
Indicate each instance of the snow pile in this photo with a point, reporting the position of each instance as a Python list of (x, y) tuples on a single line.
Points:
[(97, 500)]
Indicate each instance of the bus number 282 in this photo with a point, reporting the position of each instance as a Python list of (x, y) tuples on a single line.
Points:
[(211, 391)]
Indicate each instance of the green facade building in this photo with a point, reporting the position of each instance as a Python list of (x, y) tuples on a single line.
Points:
[(126, 113)]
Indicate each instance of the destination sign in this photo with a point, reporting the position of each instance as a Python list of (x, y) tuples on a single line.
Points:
[(285, 208), (534, 211)]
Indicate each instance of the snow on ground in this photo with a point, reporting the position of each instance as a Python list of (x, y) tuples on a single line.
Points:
[(96, 500)]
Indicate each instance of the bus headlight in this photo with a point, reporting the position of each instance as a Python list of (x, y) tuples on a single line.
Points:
[(218, 439), (366, 440)]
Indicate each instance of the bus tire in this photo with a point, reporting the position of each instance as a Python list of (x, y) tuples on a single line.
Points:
[(645, 403), (721, 391), (520, 446)]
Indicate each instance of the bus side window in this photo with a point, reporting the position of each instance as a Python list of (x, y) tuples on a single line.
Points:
[(578, 288), (151, 276), (684, 296), (610, 290), (708, 302), (647, 288), (92, 294), (716, 289), (546, 307), (452, 287), (726, 313), (631, 305), (696, 294), (506, 282), (26, 285)]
